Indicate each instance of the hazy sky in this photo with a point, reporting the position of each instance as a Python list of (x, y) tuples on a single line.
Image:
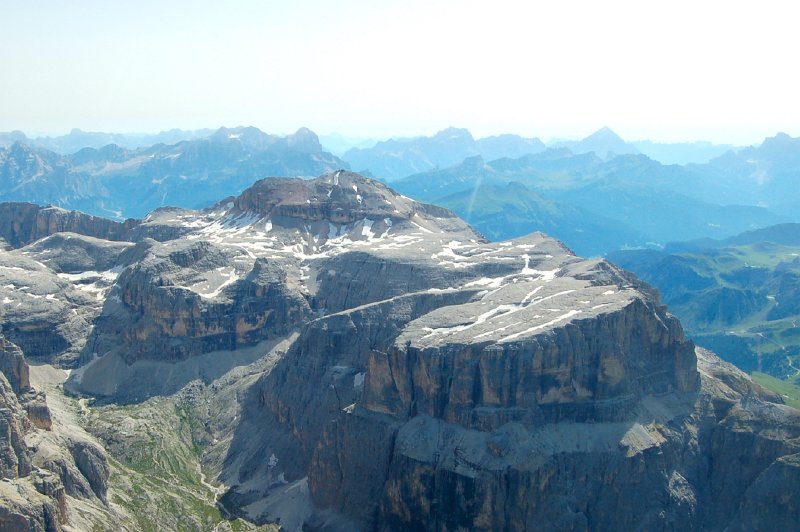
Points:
[(723, 71)]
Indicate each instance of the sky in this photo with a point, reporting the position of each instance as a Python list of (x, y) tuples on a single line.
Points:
[(667, 71)]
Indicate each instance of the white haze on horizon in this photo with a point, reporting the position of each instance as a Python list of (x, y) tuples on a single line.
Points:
[(677, 71)]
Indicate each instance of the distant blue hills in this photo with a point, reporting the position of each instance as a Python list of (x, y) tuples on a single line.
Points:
[(597, 194)]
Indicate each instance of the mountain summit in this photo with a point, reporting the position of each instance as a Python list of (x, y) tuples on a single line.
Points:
[(393, 159), (603, 142)]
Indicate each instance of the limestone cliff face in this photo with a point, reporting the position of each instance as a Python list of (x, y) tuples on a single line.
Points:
[(350, 280), (14, 367), (25, 223), (486, 430), (14, 459), (17, 373), (703, 459), (39, 468), (593, 369), (46, 310), (177, 301), (344, 343)]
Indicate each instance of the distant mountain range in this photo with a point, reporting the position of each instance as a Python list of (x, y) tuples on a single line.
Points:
[(682, 152), (118, 182), (379, 154), (606, 144), (598, 194), (396, 158), (603, 142), (338, 144), (767, 175), (76, 139), (628, 201)]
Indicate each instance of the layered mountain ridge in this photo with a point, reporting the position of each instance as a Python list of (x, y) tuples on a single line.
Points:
[(350, 358), (117, 182), (597, 195)]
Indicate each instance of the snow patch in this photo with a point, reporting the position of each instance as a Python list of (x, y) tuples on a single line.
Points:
[(209, 290), (562, 317), (544, 275)]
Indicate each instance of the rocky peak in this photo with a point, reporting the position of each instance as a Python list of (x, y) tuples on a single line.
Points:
[(779, 147), (779, 139), (338, 197), (451, 134), (108, 153), (22, 162), (14, 367), (473, 163), (603, 142), (304, 140), (10, 137), (604, 134), (250, 137)]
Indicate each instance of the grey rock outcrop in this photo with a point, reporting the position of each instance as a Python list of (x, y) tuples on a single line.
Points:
[(30, 499), (35, 403), (24, 507), (72, 253), (93, 466), (24, 223), (40, 468), (46, 313), (17, 372), (14, 367), (14, 458), (80, 465)]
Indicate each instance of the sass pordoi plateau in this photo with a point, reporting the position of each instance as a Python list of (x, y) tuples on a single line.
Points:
[(329, 354)]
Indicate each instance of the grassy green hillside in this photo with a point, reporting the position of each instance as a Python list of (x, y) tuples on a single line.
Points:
[(157, 450), (742, 301), (501, 212), (790, 391)]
